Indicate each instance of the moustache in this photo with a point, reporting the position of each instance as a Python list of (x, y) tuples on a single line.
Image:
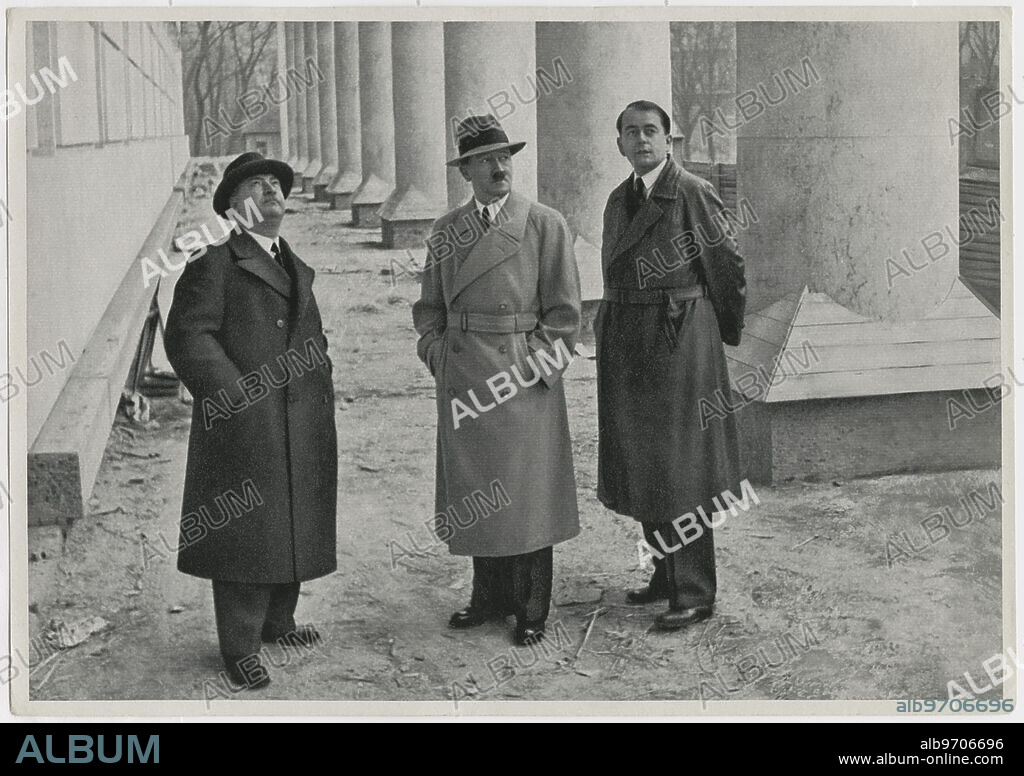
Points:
[(499, 176)]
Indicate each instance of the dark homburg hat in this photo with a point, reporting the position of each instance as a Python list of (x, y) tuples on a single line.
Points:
[(480, 135), (245, 166)]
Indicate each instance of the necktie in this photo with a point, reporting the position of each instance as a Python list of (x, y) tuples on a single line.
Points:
[(634, 203), (485, 216), (275, 251)]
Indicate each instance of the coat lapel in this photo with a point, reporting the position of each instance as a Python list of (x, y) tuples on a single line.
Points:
[(650, 212), (252, 258), (463, 232), (500, 242), (304, 275)]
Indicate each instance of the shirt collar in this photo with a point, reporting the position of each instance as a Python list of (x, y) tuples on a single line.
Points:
[(650, 178), (493, 207), (265, 243)]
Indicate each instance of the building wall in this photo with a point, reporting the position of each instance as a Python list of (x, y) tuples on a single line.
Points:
[(104, 153)]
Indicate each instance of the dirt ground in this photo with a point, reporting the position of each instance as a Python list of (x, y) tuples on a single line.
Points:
[(808, 607)]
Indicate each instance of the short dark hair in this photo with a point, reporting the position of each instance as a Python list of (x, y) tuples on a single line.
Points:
[(645, 105)]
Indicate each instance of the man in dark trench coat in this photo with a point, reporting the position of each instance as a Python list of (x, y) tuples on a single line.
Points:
[(498, 320), (244, 334), (674, 292)]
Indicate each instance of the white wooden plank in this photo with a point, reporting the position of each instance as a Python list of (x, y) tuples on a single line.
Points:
[(955, 329), (876, 382), (852, 358)]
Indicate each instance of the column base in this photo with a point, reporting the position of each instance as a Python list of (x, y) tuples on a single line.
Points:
[(320, 193), (341, 200), (406, 233), (366, 214), (799, 440), (307, 184)]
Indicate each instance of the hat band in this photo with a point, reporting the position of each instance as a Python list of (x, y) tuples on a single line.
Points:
[(492, 136)]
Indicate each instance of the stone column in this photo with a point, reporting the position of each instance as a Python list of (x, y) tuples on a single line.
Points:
[(328, 117), (843, 153), (420, 194), (297, 103), (377, 123), (284, 116), (593, 70), (478, 82), (312, 111), (346, 65)]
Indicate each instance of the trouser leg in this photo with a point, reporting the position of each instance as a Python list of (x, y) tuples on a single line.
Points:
[(530, 585), (690, 572), (240, 609), (488, 585), (658, 579), (280, 618)]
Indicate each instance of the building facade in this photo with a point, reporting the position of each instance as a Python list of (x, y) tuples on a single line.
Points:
[(105, 150)]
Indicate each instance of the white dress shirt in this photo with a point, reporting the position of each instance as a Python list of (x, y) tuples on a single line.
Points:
[(264, 242), (492, 207), (650, 178)]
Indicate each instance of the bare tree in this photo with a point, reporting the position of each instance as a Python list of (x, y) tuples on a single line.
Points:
[(979, 51), (249, 43), (979, 78), (703, 78), (221, 61)]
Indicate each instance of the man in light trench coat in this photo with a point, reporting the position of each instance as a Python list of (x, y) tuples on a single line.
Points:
[(244, 335), (498, 320), (674, 291)]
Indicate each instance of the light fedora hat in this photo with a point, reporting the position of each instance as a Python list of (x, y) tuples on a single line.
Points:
[(476, 135)]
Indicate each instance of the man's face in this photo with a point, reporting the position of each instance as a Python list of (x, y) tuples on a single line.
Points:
[(643, 140), (265, 192), (490, 174)]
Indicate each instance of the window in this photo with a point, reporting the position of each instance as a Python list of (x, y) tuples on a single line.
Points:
[(79, 101)]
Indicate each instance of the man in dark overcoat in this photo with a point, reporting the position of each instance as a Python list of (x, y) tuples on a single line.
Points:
[(244, 334), (498, 319), (674, 292)]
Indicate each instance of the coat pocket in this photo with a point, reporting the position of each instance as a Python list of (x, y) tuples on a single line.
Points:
[(524, 362), (435, 355), (674, 314)]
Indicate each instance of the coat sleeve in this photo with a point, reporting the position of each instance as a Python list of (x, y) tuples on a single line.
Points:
[(558, 289), (722, 265), (429, 313), (195, 318)]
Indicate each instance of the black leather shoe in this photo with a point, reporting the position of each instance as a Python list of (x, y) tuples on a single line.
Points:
[(247, 671), (472, 616), (302, 636), (674, 619), (646, 595), (530, 633)]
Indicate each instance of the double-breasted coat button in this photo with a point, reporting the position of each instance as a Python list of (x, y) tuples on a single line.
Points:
[(456, 348), (280, 323), (451, 391), (502, 348), (502, 306)]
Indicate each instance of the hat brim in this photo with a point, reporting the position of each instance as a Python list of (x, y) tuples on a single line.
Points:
[(280, 170), (513, 148)]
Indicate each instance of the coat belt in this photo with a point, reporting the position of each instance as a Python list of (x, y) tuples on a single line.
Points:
[(507, 323), (658, 296), (653, 295)]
